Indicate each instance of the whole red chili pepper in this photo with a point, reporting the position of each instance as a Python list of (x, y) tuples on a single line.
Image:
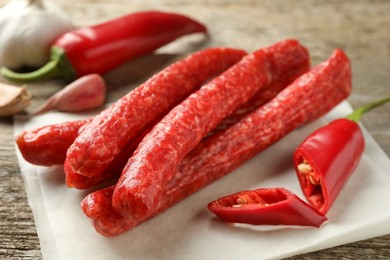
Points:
[(100, 48), (273, 206), (326, 159)]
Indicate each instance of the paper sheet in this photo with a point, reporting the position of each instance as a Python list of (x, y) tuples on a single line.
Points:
[(189, 231)]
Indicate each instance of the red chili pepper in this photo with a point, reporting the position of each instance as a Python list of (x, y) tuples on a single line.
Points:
[(273, 206), (326, 159), (102, 47)]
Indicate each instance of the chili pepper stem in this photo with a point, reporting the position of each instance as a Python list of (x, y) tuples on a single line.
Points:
[(58, 66), (358, 113)]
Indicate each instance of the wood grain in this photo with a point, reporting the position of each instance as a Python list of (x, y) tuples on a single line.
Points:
[(360, 27)]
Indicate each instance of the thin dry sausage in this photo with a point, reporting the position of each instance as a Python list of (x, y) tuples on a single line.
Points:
[(47, 145)]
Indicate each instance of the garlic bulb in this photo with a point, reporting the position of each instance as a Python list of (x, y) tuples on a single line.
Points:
[(27, 28), (13, 99)]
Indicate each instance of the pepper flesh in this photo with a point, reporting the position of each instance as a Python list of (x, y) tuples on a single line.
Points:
[(100, 48), (266, 206)]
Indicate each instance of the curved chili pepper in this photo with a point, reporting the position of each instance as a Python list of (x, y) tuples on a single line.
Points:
[(326, 159), (267, 206), (100, 48)]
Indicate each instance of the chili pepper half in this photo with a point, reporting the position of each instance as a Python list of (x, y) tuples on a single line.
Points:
[(266, 206), (326, 159), (100, 48)]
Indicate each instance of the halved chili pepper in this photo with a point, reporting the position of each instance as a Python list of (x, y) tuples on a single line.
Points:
[(100, 48), (326, 159), (266, 206)]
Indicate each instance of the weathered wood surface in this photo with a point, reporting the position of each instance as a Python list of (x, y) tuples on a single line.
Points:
[(359, 27)]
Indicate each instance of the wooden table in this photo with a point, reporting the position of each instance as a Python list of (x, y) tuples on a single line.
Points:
[(359, 27)]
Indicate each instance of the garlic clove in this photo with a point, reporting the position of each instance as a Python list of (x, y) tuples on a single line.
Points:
[(85, 93), (13, 99)]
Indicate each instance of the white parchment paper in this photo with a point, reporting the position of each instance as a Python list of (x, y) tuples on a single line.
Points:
[(189, 231)]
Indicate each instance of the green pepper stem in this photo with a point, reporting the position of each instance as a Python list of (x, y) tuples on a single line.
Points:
[(58, 66), (358, 113)]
